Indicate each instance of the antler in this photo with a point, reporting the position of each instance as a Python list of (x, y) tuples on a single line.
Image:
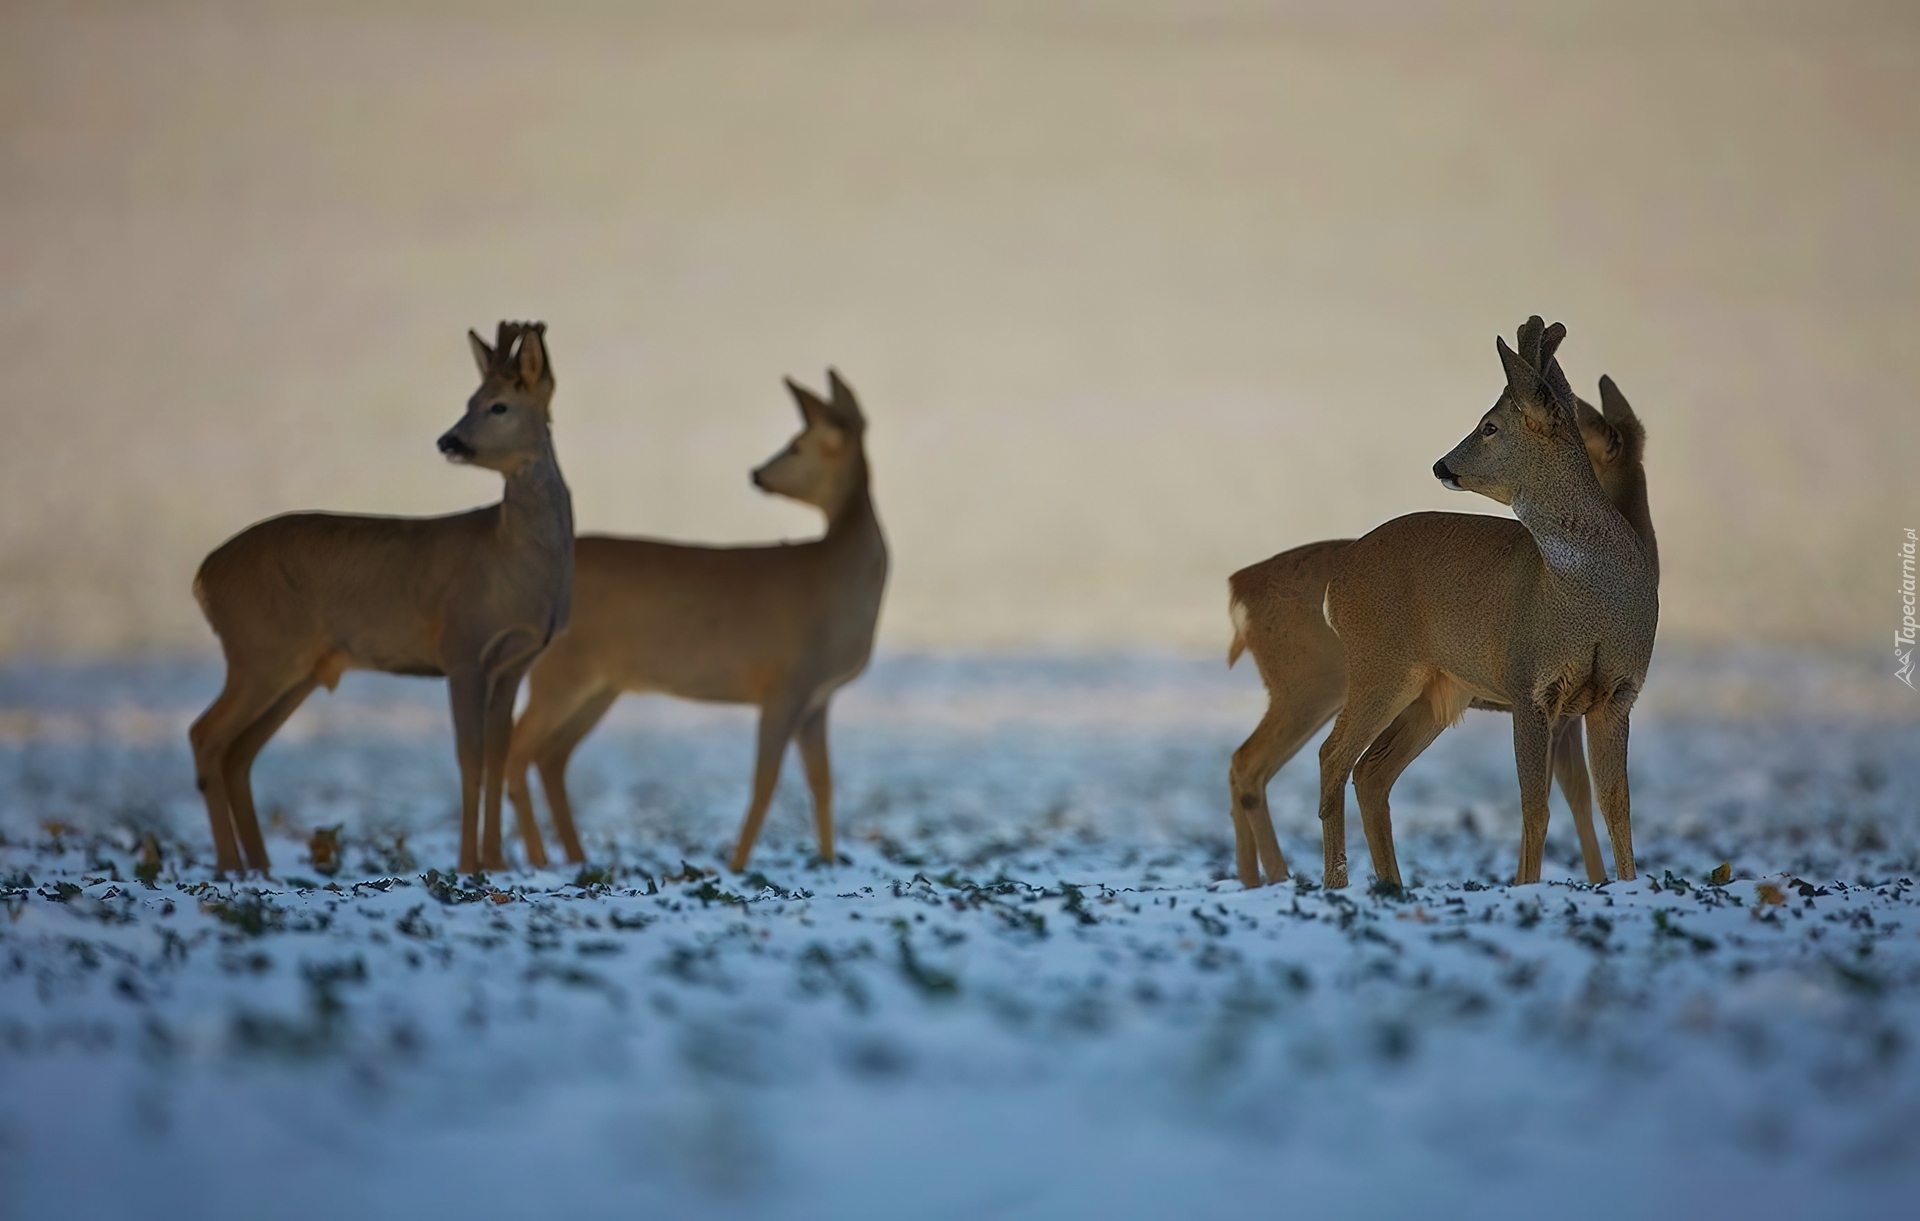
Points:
[(1526, 340), (1537, 342), (509, 333)]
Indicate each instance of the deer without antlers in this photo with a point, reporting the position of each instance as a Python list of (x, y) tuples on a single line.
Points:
[(781, 627), (1277, 608), (1554, 620), (296, 600)]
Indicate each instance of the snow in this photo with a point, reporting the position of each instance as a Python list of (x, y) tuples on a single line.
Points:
[(1031, 989)]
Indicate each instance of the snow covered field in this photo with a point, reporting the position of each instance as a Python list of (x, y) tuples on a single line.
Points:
[(1030, 989)]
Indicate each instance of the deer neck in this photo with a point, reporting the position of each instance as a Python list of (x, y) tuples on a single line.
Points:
[(537, 509), (852, 523), (1589, 548)]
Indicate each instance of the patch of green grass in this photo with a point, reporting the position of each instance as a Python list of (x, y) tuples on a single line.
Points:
[(1664, 926), (930, 982)]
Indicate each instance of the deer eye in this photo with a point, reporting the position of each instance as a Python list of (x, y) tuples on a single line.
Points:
[(1489, 428), (499, 409)]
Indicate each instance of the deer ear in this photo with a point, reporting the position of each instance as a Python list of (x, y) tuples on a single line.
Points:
[(1555, 391), (1593, 426), (1619, 413), (813, 408), (482, 354), (533, 357), (1522, 378), (846, 408)]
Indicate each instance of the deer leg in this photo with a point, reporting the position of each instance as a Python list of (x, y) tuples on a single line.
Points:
[(241, 702), (1607, 745), (1532, 747), (503, 663), (776, 729), (467, 691), (1570, 770), (1281, 733), (529, 734), (521, 799), (496, 735), (237, 770), (544, 724), (209, 762), (552, 757), (1368, 713), (1411, 733), (812, 740)]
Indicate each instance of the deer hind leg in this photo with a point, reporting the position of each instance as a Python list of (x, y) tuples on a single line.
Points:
[(1570, 770), (1285, 728), (527, 732), (1411, 733), (544, 717), (812, 740), (237, 770), (776, 730), (1370, 709), (1607, 744), (552, 755), (247, 696)]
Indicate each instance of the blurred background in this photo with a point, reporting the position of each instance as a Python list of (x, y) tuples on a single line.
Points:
[(1135, 293)]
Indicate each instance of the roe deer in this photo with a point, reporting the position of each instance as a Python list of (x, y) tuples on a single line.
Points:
[(1554, 619), (781, 627), (297, 600), (1277, 612)]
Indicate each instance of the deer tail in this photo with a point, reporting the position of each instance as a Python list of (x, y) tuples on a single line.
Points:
[(1236, 611)]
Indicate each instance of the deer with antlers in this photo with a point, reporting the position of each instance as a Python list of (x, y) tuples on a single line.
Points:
[(1277, 609), (1554, 619), (299, 599), (780, 627)]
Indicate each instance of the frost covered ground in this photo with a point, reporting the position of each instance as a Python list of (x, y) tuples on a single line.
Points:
[(1029, 990)]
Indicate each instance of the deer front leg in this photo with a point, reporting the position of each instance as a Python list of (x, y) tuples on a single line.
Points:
[(1570, 771), (1607, 745), (1532, 747), (812, 740), (776, 730), (467, 691)]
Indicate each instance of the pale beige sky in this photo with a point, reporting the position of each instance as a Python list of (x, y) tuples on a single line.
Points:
[(1132, 299)]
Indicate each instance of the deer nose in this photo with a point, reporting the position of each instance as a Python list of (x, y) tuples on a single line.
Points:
[(1444, 474), (755, 477), (454, 447)]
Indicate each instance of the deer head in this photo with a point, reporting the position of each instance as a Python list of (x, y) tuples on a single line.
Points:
[(821, 464), (507, 418)]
